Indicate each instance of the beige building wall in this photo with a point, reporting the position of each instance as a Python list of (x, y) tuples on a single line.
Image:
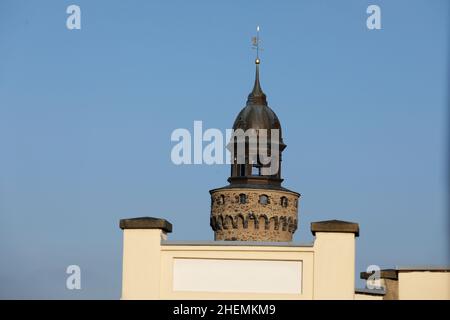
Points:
[(154, 268), (141, 263), (414, 283), (334, 266), (239, 272), (157, 269), (424, 285)]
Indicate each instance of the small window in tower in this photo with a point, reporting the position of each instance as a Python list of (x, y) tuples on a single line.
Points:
[(221, 199), (263, 199), (284, 202), (242, 198)]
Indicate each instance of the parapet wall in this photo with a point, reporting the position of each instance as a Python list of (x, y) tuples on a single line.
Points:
[(154, 268)]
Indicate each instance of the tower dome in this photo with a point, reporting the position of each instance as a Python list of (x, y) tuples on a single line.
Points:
[(259, 120), (257, 114)]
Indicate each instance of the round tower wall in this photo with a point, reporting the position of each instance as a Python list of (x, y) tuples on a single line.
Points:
[(246, 214)]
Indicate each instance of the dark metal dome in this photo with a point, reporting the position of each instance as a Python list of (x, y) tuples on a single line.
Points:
[(253, 168), (257, 117), (257, 114)]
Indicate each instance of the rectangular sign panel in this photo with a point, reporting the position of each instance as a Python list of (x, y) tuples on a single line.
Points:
[(240, 276)]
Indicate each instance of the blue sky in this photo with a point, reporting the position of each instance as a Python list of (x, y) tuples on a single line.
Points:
[(86, 117)]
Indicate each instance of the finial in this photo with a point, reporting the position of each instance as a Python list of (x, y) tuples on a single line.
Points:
[(255, 45), (257, 96)]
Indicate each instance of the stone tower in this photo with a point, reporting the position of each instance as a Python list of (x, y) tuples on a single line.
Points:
[(254, 206)]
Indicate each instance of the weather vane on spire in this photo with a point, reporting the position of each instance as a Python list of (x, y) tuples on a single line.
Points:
[(255, 45)]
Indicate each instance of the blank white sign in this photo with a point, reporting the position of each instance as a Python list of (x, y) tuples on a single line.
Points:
[(240, 276)]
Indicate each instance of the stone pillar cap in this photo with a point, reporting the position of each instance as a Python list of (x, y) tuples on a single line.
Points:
[(146, 223), (393, 273), (335, 226), (384, 274)]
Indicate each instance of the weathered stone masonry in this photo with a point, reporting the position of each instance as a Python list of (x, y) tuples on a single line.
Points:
[(233, 219)]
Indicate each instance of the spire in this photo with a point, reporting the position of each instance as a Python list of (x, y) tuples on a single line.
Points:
[(257, 96)]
